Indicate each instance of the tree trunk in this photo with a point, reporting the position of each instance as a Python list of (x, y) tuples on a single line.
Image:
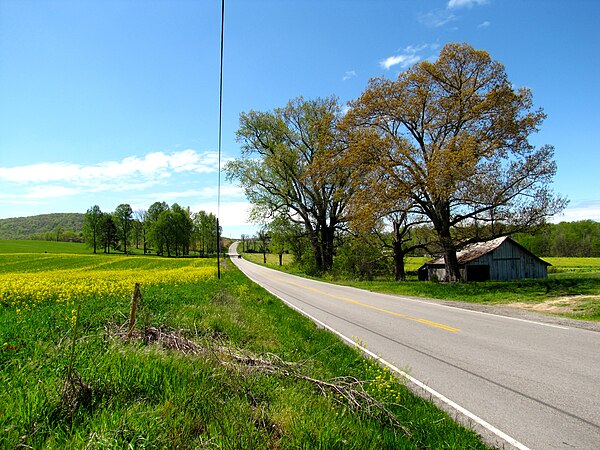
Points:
[(399, 271), (327, 236), (450, 260), (281, 258), (316, 247)]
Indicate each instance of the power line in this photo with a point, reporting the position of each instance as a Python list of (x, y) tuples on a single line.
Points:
[(220, 139)]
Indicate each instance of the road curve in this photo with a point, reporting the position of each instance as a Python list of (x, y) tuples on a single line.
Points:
[(528, 384)]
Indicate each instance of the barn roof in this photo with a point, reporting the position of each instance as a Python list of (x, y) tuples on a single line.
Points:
[(474, 251)]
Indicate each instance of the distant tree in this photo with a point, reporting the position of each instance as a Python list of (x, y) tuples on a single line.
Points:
[(263, 238), (452, 136), (155, 237), (137, 226), (205, 231), (164, 228), (283, 234), (183, 228), (123, 215), (92, 224), (58, 232), (108, 233)]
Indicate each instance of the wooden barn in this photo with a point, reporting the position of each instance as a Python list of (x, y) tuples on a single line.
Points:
[(498, 259)]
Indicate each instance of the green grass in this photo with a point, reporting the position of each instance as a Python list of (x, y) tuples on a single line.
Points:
[(272, 259), (42, 247), (573, 264), (142, 395)]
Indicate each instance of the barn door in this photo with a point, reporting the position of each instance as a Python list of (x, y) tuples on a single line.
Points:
[(478, 273)]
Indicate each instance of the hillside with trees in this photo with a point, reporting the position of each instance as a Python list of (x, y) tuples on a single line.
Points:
[(63, 227)]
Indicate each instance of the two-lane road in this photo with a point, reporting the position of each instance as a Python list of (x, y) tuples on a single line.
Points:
[(531, 384)]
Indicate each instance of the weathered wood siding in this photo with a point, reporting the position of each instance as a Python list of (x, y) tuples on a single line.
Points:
[(509, 262)]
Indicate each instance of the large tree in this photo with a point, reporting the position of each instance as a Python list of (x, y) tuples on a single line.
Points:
[(92, 224), (284, 173), (452, 136)]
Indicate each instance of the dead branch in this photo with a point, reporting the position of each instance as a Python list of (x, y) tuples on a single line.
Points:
[(347, 391)]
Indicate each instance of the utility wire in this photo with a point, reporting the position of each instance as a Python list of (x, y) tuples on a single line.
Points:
[(220, 139)]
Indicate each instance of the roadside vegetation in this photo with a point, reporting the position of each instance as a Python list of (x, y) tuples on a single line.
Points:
[(572, 288), (208, 364)]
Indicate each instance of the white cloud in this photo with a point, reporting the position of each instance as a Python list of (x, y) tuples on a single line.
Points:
[(130, 170), (452, 4), (43, 192), (436, 19), (231, 214), (405, 58), (65, 186), (585, 210), (484, 24), (349, 74), (228, 191)]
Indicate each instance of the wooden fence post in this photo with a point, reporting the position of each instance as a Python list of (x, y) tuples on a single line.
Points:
[(134, 302)]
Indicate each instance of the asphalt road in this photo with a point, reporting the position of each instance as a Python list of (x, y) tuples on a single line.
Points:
[(526, 384)]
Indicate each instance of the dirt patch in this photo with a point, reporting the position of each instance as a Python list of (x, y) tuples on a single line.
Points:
[(572, 304)]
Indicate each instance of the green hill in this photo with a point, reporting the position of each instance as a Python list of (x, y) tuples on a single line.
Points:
[(60, 226)]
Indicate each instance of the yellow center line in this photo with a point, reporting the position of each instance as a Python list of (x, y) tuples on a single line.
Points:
[(366, 305)]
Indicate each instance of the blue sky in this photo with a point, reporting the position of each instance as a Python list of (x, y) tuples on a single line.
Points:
[(115, 101)]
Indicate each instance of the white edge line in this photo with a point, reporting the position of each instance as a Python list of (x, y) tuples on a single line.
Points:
[(498, 315), (403, 374)]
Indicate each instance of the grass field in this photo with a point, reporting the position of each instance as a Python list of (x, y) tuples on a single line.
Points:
[(210, 364), (42, 247), (572, 288), (573, 264)]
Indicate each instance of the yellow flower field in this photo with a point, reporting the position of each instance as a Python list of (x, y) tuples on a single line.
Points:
[(26, 289)]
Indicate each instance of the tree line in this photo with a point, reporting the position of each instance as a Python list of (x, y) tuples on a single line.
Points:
[(164, 230), (581, 238), (432, 161), (367, 257)]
